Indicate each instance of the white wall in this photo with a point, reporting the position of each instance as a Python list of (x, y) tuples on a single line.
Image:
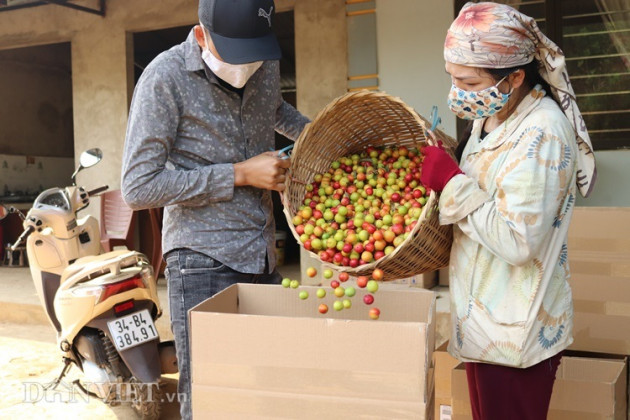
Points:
[(33, 174), (410, 40), (612, 188)]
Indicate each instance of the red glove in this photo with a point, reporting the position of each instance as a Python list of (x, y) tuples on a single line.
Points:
[(437, 168)]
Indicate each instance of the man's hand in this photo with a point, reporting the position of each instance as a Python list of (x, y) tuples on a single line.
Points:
[(266, 171)]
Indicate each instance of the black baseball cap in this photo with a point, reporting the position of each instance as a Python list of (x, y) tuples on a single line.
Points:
[(241, 30)]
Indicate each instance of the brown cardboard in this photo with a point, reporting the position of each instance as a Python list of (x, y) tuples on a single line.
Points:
[(585, 389), (601, 229), (460, 400), (443, 364), (599, 262), (424, 281), (601, 299), (601, 319), (259, 352), (443, 276)]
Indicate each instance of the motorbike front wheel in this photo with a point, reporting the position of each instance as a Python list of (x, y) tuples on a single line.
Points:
[(147, 401)]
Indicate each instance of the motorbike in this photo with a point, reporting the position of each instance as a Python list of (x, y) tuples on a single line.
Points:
[(103, 306)]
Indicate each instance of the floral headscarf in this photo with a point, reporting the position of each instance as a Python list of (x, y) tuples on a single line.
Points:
[(492, 35)]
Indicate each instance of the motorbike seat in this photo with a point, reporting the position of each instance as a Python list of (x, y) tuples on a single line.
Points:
[(95, 263)]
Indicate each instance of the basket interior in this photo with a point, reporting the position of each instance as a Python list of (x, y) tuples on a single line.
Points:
[(349, 125)]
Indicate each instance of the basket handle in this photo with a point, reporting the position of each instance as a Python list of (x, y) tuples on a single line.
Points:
[(432, 140)]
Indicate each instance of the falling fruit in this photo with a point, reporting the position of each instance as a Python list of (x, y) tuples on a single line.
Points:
[(374, 313), (350, 291), (334, 284), (338, 305), (323, 308), (378, 274), (321, 293), (347, 304), (311, 272), (294, 284), (328, 273), (286, 282), (372, 286), (303, 295), (339, 291), (362, 281), (343, 277), (368, 299)]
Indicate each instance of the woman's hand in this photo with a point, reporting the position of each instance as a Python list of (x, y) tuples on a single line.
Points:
[(437, 168)]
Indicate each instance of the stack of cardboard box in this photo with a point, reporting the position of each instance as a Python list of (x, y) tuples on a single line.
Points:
[(599, 259), (591, 382), (585, 389)]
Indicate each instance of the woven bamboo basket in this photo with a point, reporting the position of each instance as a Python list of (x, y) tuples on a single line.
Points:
[(348, 125)]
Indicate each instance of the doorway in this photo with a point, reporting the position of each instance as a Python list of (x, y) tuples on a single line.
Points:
[(37, 135)]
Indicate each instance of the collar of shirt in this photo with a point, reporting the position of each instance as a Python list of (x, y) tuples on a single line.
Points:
[(194, 62)]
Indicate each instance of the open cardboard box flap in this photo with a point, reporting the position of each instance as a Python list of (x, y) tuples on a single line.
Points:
[(263, 339)]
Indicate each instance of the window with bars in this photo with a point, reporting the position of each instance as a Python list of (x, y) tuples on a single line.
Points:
[(595, 37)]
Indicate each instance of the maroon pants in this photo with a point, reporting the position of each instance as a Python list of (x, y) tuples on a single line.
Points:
[(505, 393)]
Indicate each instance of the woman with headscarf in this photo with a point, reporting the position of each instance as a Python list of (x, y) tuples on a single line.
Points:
[(510, 201)]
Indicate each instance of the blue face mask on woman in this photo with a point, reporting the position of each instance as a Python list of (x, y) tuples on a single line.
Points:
[(474, 105)]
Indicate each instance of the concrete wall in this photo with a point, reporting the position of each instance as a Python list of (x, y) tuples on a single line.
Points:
[(410, 39), (22, 175), (612, 188), (321, 53), (101, 65), (362, 49), (410, 64)]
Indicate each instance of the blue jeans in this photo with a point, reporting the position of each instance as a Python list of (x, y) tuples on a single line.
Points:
[(192, 278)]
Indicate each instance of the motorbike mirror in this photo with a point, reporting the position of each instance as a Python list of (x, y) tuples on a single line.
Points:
[(91, 157), (3, 211), (88, 158)]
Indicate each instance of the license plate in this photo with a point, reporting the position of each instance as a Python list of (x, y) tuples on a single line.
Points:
[(132, 330)]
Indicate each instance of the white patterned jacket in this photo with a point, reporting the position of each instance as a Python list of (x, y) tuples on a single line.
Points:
[(511, 303)]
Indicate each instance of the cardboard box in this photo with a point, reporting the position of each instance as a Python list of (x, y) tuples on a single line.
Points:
[(460, 399), (600, 229), (599, 261), (443, 364), (258, 351), (601, 313), (585, 389), (426, 280), (443, 277)]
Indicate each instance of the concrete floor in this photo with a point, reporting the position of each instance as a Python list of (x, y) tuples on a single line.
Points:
[(29, 359), (21, 305)]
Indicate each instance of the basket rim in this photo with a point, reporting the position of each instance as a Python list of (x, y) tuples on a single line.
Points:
[(428, 210)]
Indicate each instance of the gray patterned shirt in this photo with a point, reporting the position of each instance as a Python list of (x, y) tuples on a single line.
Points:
[(184, 134)]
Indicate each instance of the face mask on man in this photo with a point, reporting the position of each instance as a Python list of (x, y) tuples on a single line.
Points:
[(474, 105), (234, 74)]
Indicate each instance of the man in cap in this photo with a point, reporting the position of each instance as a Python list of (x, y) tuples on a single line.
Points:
[(201, 125)]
